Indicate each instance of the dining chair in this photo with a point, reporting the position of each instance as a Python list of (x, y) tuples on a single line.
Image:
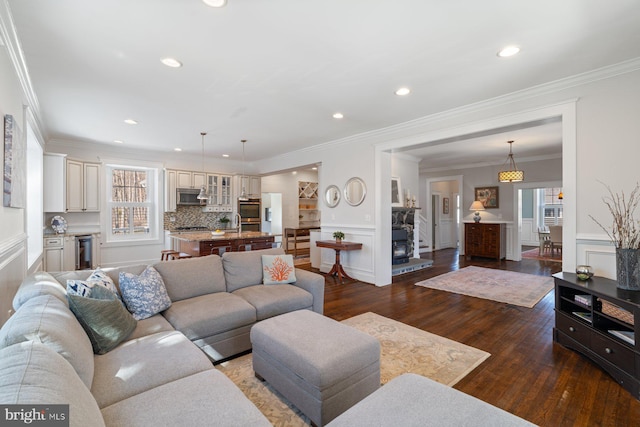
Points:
[(545, 240), (555, 235)]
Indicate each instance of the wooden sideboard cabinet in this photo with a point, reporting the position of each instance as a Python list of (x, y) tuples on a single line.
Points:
[(485, 240), (601, 322)]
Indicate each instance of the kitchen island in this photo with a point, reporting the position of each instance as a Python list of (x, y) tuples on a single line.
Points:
[(203, 243)]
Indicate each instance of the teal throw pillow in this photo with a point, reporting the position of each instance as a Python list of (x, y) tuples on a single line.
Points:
[(103, 317)]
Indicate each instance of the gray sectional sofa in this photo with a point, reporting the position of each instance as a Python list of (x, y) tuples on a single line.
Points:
[(157, 376)]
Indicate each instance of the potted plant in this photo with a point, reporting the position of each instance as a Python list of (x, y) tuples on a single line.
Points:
[(224, 221), (624, 233), (338, 235)]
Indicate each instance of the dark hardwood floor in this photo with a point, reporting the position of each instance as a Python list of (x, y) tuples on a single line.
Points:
[(527, 374)]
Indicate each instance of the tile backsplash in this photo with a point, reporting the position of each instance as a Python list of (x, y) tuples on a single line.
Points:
[(190, 216)]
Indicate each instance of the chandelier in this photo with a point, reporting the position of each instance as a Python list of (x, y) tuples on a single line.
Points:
[(513, 174)]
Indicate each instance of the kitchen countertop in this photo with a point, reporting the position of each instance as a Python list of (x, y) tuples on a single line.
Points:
[(197, 236)]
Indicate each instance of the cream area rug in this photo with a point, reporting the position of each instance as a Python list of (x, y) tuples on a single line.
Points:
[(497, 285), (403, 349)]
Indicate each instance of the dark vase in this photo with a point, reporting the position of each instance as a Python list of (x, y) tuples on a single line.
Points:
[(628, 269)]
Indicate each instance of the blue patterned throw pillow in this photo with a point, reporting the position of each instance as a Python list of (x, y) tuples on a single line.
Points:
[(145, 295), (83, 287)]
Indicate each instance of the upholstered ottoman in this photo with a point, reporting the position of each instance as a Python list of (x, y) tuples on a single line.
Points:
[(321, 366)]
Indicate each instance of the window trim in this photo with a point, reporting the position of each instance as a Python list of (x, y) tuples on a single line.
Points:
[(156, 214)]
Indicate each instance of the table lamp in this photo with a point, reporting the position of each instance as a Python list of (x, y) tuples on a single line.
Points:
[(476, 206)]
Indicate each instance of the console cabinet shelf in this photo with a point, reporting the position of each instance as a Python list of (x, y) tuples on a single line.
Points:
[(600, 321)]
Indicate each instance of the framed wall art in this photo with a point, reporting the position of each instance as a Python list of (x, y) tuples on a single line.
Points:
[(396, 192), (15, 155), (445, 205), (489, 196)]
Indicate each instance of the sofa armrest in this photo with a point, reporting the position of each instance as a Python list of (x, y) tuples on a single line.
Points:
[(314, 284)]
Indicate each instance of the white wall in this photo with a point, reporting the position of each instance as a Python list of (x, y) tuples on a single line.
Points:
[(13, 238)]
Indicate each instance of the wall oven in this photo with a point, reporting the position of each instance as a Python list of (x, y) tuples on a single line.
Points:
[(249, 211)]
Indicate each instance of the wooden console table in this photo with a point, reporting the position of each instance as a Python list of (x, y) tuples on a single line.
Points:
[(342, 246)]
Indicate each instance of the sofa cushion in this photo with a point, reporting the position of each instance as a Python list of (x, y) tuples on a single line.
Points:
[(103, 318), (187, 278), (210, 314), (205, 398), (113, 273), (151, 325), (414, 400), (48, 320), (32, 373), (36, 284), (245, 268), (272, 300), (145, 295), (278, 269), (139, 365)]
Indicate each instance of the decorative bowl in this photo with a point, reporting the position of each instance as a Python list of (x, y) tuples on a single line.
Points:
[(218, 233), (584, 272)]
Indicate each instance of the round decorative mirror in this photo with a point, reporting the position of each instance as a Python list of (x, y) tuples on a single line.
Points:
[(332, 196), (354, 191)]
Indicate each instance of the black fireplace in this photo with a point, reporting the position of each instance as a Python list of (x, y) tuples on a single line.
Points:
[(400, 246)]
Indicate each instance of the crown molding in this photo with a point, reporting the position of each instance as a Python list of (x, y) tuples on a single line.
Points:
[(9, 36)]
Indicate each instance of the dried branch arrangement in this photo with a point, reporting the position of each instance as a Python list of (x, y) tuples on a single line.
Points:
[(624, 231)]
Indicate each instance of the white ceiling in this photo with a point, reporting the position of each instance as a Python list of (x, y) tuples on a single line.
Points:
[(273, 72)]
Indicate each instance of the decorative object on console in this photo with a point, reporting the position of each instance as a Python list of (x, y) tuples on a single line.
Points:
[(476, 206), (202, 196), (489, 196), (584, 272), (625, 235), (513, 174), (338, 235)]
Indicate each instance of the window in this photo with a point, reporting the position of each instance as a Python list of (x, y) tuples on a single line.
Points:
[(133, 212), (34, 197), (552, 207)]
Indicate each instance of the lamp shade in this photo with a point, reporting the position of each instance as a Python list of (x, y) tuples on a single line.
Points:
[(511, 176), (476, 206)]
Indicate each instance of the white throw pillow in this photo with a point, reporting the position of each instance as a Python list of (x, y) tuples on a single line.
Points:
[(83, 287), (278, 269)]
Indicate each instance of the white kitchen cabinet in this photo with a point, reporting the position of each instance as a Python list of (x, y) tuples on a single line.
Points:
[(55, 191), (82, 186), (188, 179), (170, 187), (251, 185), (220, 193), (54, 253), (69, 253)]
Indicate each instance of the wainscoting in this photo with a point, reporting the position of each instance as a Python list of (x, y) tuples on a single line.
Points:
[(13, 267), (358, 264)]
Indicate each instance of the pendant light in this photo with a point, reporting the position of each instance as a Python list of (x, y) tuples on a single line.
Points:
[(513, 174), (243, 193), (203, 191)]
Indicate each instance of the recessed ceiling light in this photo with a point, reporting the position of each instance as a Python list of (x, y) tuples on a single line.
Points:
[(177, 149), (338, 115), (403, 91), (215, 3), (171, 62), (225, 155), (130, 122), (118, 141), (508, 51)]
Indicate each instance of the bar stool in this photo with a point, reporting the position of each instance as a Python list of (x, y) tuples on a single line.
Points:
[(168, 254)]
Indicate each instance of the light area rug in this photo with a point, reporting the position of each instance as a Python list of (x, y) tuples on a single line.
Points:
[(403, 349), (510, 287)]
